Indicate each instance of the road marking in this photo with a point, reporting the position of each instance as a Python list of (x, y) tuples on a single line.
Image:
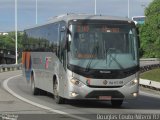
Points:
[(149, 94), (5, 85)]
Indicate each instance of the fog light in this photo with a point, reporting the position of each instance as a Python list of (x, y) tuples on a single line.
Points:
[(135, 94), (73, 94)]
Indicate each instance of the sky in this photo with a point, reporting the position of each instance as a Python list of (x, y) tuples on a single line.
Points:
[(49, 8)]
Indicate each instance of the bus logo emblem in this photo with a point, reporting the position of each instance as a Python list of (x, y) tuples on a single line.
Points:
[(105, 82)]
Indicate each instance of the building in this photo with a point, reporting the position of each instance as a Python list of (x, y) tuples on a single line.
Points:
[(3, 33)]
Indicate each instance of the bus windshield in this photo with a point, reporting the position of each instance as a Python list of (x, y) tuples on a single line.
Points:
[(103, 46)]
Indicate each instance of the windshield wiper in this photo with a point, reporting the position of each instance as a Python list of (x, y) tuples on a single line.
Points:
[(92, 56), (110, 51)]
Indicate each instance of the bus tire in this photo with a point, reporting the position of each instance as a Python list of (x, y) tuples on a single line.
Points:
[(35, 91), (58, 99), (116, 103)]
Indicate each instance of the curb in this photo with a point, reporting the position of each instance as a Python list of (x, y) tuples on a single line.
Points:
[(150, 84)]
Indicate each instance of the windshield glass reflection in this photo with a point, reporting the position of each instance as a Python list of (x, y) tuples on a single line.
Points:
[(102, 46)]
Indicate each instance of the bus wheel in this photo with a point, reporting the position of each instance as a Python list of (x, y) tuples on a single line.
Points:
[(35, 91), (58, 99), (116, 103)]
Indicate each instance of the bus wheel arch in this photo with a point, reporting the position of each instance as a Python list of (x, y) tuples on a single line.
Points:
[(58, 99)]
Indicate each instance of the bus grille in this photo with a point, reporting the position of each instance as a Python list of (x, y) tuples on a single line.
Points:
[(113, 94), (93, 86)]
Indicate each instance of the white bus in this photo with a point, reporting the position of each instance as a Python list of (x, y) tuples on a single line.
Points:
[(138, 19), (83, 57)]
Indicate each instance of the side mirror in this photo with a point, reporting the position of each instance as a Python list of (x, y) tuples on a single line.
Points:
[(138, 38), (69, 37), (68, 32), (63, 28), (68, 42)]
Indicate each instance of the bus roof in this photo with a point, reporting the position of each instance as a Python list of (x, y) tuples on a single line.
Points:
[(68, 17)]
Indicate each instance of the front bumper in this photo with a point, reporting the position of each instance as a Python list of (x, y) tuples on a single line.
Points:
[(85, 92)]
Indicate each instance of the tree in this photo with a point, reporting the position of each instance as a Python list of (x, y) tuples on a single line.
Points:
[(8, 41), (150, 31)]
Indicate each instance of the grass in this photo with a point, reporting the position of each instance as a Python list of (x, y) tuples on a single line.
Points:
[(151, 75)]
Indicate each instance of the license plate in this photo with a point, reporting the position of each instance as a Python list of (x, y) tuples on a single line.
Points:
[(105, 97)]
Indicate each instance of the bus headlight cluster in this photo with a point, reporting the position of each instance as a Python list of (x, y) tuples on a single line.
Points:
[(76, 82), (135, 81)]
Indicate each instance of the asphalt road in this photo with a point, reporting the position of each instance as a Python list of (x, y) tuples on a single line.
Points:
[(12, 107), (9, 103), (146, 103)]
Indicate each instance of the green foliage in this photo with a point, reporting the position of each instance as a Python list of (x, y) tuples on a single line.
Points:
[(150, 31), (8, 41), (151, 75)]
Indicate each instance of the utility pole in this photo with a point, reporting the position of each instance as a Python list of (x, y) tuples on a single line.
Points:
[(128, 9), (36, 11), (95, 7), (16, 32)]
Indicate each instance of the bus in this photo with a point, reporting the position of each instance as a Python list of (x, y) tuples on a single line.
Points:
[(83, 57), (138, 19)]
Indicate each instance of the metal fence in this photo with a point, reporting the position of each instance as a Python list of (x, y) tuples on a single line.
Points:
[(10, 67), (149, 67)]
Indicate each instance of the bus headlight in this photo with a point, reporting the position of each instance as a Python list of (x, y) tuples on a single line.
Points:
[(76, 82), (135, 81)]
